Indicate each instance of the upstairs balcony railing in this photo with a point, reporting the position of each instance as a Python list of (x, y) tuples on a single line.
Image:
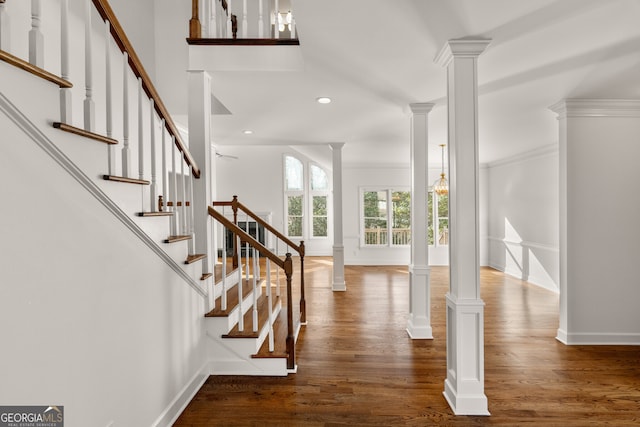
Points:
[(241, 21)]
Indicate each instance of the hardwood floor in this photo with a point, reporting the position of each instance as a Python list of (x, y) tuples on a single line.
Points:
[(357, 366)]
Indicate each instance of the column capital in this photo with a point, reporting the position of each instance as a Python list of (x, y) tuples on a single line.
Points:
[(461, 48), (336, 145), (597, 108), (421, 107)]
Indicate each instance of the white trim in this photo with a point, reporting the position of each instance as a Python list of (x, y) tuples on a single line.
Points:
[(596, 108), (171, 413), (32, 131), (545, 151), (598, 338)]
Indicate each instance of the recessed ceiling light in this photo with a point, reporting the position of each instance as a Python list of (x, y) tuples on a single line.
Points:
[(247, 132), (323, 100)]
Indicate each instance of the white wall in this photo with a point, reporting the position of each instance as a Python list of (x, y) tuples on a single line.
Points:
[(256, 177), (523, 216), (98, 322)]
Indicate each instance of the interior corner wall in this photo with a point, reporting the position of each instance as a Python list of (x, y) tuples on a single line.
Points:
[(523, 213), (602, 233)]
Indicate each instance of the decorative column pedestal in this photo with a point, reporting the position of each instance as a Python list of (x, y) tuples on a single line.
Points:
[(419, 323), (338, 244), (464, 386)]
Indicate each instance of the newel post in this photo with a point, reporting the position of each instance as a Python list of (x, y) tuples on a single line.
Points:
[(288, 271), (303, 303), (195, 29)]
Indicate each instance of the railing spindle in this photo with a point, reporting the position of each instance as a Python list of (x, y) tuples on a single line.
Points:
[(240, 311), (65, 93), (192, 221), (245, 25), (153, 191), (164, 165), (181, 201), (292, 26), (260, 20), (4, 28), (223, 297), (213, 19), (36, 39), (174, 189), (89, 105), (111, 149), (277, 274), (276, 22), (195, 30), (255, 292), (140, 132), (270, 304), (126, 163), (229, 24)]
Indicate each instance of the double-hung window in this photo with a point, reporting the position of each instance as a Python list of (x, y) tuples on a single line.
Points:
[(385, 217), (438, 219)]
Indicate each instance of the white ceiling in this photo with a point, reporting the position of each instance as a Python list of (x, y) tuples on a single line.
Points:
[(375, 57)]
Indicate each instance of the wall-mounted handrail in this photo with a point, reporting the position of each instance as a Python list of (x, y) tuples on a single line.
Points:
[(123, 43)]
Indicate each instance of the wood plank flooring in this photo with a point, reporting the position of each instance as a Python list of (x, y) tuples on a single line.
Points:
[(357, 366)]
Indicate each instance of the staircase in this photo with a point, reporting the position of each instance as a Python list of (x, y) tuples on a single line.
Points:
[(249, 320)]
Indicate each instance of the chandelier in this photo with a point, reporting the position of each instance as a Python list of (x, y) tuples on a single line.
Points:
[(441, 186)]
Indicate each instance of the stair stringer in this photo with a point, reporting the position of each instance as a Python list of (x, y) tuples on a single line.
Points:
[(45, 143)]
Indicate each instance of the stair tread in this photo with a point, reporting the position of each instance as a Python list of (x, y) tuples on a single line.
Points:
[(193, 258), (85, 133), (232, 300), (205, 276), (263, 316), (279, 339), (179, 238), (125, 179), (151, 214), (217, 270)]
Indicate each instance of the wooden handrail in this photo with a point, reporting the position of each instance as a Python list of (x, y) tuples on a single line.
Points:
[(249, 239), (121, 39)]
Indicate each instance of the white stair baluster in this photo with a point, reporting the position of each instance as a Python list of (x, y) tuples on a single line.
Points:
[(255, 293), (174, 189), (240, 311), (111, 149), (89, 105), (276, 22), (223, 297), (153, 191), (213, 19), (192, 230), (164, 167), (245, 25), (65, 93), (203, 11), (183, 198), (36, 39), (277, 274), (260, 20), (126, 162), (229, 26), (293, 28), (270, 305), (5, 43), (140, 133)]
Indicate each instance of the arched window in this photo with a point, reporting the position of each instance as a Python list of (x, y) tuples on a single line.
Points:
[(306, 196)]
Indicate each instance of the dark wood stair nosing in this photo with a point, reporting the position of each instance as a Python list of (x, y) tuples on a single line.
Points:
[(85, 133), (153, 214), (125, 180), (205, 276), (35, 70), (178, 238), (193, 258)]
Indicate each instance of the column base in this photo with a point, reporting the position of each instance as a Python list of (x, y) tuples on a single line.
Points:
[(339, 283), (419, 323), (464, 386), (465, 404)]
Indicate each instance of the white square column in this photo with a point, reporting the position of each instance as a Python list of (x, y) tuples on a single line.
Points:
[(419, 323), (339, 283), (464, 386), (200, 148)]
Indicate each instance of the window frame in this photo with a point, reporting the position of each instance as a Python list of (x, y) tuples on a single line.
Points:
[(389, 190), (435, 218)]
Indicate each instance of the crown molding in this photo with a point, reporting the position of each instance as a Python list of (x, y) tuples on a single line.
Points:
[(461, 48), (596, 108)]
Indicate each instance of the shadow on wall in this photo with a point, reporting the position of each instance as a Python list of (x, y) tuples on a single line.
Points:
[(534, 262)]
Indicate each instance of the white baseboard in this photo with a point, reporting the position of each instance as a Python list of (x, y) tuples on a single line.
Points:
[(180, 402), (591, 338)]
